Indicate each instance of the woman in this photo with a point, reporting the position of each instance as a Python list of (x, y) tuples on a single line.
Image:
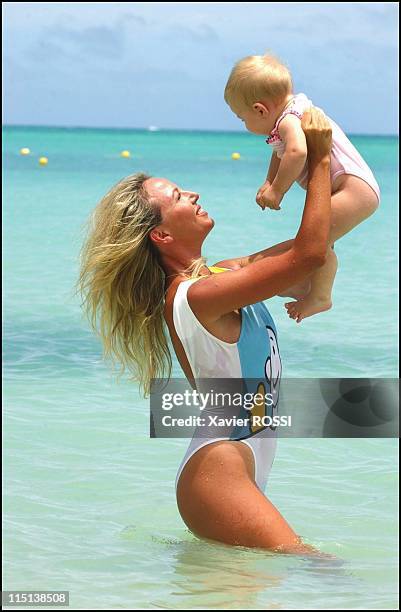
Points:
[(142, 267)]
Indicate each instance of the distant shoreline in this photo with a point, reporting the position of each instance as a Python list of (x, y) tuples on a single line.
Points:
[(161, 130)]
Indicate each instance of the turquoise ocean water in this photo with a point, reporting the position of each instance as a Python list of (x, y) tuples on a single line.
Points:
[(90, 505)]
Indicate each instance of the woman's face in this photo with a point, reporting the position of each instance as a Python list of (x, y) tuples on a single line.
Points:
[(183, 218)]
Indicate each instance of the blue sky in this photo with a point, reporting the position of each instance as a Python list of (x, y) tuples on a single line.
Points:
[(137, 64)]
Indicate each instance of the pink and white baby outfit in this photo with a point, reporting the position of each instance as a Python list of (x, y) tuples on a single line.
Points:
[(345, 159)]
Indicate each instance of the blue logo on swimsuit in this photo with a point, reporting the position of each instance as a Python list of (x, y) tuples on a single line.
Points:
[(269, 386)]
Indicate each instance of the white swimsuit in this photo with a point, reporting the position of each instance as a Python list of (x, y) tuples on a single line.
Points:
[(344, 159), (255, 356)]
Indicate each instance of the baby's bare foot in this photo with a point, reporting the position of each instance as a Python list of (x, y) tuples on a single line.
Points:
[(298, 292), (307, 307)]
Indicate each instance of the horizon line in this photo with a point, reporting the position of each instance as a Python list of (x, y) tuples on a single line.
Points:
[(160, 129)]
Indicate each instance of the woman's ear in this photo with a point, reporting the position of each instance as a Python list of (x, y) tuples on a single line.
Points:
[(159, 237)]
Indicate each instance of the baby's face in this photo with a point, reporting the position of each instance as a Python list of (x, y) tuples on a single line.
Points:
[(257, 121)]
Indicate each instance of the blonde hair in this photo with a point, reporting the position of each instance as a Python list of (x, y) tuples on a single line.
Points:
[(255, 78), (122, 283)]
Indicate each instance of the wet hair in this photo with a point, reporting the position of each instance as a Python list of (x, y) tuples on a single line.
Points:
[(122, 282)]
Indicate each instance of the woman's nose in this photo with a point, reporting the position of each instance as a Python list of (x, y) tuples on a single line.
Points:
[(194, 197)]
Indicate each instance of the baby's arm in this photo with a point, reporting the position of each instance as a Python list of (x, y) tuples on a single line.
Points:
[(294, 158), (273, 168), (271, 175)]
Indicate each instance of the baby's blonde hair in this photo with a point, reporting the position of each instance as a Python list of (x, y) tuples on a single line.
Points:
[(257, 77)]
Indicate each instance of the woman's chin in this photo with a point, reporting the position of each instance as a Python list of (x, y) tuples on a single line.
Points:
[(211, 222)]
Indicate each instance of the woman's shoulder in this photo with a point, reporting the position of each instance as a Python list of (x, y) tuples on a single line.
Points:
[(178, 294), (180, 286), (226, 264), (170, 294), (184, 283)]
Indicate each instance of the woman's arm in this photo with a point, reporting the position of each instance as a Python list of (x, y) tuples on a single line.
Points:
[(214, 296), (240, 262)]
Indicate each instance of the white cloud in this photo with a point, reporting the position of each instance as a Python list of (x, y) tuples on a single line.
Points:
[(177, 57)]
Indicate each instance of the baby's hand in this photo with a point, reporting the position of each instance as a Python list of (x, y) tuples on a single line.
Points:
[(259, 198), (268, 196)]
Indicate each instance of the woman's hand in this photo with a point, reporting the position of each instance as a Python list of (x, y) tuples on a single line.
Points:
[(317, 131)]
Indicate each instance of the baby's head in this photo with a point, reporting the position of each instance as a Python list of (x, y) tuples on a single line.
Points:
[(258, 88)]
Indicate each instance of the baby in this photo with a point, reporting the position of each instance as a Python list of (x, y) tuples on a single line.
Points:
[(259, 91)]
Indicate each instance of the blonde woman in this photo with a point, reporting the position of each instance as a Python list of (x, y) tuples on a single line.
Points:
[(142, 268)]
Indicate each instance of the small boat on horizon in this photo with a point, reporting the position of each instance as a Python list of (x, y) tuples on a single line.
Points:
[(153, 128)]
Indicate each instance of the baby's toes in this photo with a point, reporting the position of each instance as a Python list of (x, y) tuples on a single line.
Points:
[(291, 307)]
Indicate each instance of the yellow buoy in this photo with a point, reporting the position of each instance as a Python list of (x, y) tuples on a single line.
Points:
[(43, 161), (25, 151), (125, 154), (235, 156)]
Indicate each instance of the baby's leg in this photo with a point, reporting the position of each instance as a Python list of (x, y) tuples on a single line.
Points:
[(351, 203), (319, 297)]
